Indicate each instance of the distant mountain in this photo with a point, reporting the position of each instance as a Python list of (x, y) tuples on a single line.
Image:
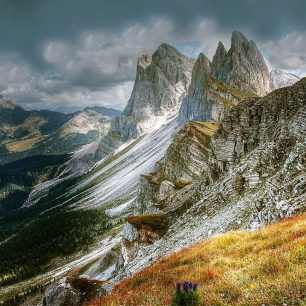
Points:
[(74, 109), (105, 111), (83, 128), (21, 130), (25, 133), (11, 113), (69, 109), (282, 78)]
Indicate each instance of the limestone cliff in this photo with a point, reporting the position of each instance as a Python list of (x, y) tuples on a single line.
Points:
[(162, 80)]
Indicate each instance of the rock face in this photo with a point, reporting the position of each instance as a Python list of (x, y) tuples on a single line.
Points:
[(232, 77), (253, 174), (161, 82), (242, 66), (184, 162), (104, 267), (197, 104), (209, 99), (282, 78), (62, 294)]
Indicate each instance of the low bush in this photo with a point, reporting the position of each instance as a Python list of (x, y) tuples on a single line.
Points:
[(186, 294)]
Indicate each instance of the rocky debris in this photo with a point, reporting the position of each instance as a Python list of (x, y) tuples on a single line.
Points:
[(62, 294), (73, 291), (282, 78), (242, 67), (166, 189)]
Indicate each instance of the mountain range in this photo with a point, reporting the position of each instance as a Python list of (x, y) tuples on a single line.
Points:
[(203, 147), (25, 133)]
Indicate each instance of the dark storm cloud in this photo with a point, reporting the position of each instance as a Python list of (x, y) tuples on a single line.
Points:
[(84, 51)]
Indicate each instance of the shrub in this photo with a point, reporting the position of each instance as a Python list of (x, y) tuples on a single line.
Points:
[(186, 294)]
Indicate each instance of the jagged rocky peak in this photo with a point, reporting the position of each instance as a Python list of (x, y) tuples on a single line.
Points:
[(201, 70), (161, 82), (243, 66), (219, 60), (238, 40), (282, 78), (208, 98)]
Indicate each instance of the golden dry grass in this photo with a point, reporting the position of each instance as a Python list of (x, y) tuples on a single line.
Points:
[(238, 268), (23, 145), (207, 128)]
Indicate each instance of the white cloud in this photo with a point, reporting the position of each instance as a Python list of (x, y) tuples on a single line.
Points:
[(100, 58), (288, 53), (98, 67)]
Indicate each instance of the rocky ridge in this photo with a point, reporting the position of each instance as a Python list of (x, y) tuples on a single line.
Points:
[(255, 174)]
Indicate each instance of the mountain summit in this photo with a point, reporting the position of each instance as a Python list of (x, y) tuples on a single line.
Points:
[(161, 82), (243, 66)]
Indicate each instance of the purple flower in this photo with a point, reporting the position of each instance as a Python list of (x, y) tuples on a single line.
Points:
[(186, 286)]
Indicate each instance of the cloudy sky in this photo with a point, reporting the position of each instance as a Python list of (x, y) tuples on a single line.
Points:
[(56, 53)]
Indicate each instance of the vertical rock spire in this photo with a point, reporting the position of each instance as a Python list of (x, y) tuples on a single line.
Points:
[(218, 61)]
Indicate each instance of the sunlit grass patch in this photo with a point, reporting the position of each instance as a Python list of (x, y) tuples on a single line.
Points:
[(238, 268)]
